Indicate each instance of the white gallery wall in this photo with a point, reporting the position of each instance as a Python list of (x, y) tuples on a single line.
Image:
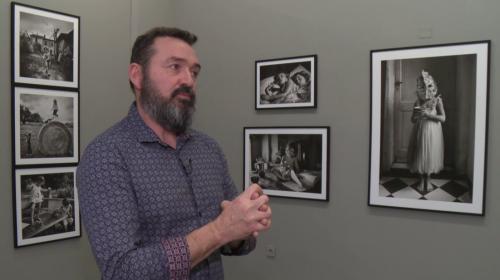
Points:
[(340, 239)]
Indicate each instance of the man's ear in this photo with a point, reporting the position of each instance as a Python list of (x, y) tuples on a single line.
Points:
[(135, 75)]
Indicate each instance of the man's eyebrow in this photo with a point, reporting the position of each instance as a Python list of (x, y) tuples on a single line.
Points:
[(183, 60), (175, 59)]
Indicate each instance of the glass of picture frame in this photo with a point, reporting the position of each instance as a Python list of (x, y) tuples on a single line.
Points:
[(429, 109), (286, 83), (288, 161), (46, 205), (46, 47)]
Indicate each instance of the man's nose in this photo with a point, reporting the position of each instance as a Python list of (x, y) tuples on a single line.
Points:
[(188, 77)]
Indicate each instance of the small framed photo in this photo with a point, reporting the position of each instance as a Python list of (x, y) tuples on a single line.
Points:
[(45, 126), (429, 111), (46, 205), (286, 83), (288, 161), (45, 47)]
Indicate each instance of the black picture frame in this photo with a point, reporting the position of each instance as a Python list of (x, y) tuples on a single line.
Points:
[(45, 48), (45, 127), (428, 146), (286, 83), (46, 205), (290, 162)]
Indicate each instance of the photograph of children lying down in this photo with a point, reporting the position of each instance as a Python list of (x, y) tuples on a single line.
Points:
[(286, 83), (286, 86), (287, 162)]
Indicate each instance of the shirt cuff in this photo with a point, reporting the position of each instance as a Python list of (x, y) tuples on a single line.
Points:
[(178, 258)]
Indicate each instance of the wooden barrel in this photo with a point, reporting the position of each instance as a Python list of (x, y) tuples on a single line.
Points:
[(55, 139)]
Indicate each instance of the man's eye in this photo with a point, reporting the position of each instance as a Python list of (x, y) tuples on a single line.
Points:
[(174, 66)]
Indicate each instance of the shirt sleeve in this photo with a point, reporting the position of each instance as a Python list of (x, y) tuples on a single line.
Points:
[(110, 215), (230, 192)]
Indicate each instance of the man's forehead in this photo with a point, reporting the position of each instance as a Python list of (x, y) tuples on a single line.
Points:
[(166, 50)]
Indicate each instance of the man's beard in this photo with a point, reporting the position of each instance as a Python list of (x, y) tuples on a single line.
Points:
[(173, 117)]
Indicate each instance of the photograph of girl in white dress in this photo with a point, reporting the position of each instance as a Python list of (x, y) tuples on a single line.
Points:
[(426, 146), (427, 149)]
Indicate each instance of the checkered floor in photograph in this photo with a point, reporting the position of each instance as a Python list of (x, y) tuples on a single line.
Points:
[(438, 189)]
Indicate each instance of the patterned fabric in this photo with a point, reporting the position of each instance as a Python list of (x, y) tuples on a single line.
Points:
[(178, 258), (139, 198)]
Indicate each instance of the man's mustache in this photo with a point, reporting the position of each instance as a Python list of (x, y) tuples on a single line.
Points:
[(184, 89)]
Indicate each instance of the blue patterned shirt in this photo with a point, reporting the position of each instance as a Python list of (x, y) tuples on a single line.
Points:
[(139, 199)]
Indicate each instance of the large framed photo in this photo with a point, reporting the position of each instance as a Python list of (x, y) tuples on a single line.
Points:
[(46, 205), (288, 161), (429, 110), (45, 49), (45, 126), (286, 83)]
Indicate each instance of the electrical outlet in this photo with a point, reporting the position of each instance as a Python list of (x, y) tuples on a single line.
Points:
[(271, 251)]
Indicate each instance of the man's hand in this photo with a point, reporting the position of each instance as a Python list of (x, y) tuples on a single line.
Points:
[(249, 213), (263, 208)]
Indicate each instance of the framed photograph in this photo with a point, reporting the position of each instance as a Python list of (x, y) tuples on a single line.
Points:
[(286, 83), (45, 49), (45, 126), (288, 161), (429, 111), (46, 205)]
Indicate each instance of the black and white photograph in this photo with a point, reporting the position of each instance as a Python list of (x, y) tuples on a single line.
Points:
[(46, 47), (45, 126), (46, 205), (286, 83), (288, 161), (428, 127)]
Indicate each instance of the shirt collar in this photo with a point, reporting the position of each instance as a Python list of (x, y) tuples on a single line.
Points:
[(145, 134)]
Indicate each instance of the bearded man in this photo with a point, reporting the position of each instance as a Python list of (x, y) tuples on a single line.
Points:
[(156, 196)]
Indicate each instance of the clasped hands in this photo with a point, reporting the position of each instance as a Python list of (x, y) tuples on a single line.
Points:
[(248, 214)]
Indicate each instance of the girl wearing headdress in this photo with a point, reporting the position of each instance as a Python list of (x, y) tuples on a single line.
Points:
[(426, 147)]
